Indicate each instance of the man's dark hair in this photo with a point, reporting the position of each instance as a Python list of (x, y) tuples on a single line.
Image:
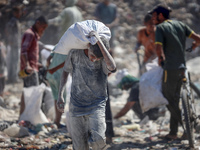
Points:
[(147, 17), (42, 20), (16, 9), (162, 8), (96, 50)]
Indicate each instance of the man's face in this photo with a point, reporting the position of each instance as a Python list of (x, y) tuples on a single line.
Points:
[(18, 14), (40, 28), (155, 18), (149, 25), (92, 56), (106, 2)]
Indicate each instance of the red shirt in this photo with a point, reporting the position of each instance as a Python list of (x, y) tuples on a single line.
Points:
[(30, 47)]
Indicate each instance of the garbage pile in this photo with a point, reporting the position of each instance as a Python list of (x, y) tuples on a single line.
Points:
[(130, 132)]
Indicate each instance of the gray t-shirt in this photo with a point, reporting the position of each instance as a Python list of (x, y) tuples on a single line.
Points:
[(89, 83)]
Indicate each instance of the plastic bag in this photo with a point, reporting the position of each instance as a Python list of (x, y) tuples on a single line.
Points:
[(76, 37), (48, 105), (33, 100), (16, 131), (45, 53), (150, 93), (152, 64)]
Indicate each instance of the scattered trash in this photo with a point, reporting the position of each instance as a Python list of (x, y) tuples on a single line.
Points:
[(16, 131), (132, 127), (3, 125)]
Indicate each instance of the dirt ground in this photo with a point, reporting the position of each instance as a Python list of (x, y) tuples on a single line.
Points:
[(129, 135)]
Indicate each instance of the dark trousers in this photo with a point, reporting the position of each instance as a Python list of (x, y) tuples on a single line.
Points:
[(171, 86), (109, 124)]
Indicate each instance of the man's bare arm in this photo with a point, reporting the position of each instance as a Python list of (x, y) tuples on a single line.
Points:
[(48, 61), (28, 68), (124, 110), (160, 54), (114, 23), (60, 101), (196, 37), (107, 57), (52, 70)]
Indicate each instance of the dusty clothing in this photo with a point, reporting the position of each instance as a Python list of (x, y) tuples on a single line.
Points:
[(89, 83), (13, 31), (148, 41), (87, 101), (29, 46), (66, 18), (172, 36), (88, 129), (54, 79)]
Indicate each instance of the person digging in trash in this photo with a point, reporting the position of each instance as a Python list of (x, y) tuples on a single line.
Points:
[(131, 82)]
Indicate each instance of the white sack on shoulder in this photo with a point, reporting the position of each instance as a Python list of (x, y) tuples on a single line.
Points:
[(76, 37), (150, 86)]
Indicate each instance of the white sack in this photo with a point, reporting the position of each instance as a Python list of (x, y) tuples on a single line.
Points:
[(76, 37), (150, 94), (45, 53), (48, 104), (33, 99), (152, 64)]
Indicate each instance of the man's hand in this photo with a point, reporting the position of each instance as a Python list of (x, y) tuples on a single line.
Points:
[(60, 105), (194, 45), (160, 61), (39, 65), (29, 69), (94, 33)]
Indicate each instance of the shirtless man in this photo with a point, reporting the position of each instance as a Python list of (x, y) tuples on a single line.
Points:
[(146, 37)]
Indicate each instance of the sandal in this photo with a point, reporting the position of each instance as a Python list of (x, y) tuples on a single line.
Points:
[(61, 126), (184, 136)]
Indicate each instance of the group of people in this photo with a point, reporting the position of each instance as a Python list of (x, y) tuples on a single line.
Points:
[(162, 38)]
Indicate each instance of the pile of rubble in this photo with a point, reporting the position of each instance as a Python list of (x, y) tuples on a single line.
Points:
[(129, 132)]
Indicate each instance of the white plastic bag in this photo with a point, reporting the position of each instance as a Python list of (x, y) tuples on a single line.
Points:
[(16, 131), (33, 99), (45, 53), (76, 37), (152, 64), (150, 93), (48, 104)]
